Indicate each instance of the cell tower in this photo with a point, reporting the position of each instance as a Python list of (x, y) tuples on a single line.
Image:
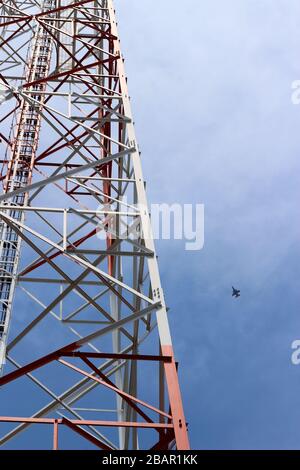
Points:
[(85, 346)]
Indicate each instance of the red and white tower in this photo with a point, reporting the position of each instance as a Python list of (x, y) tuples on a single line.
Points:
[(85, 344)]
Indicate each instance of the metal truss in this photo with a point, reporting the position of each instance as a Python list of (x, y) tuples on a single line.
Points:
[(84, 330)]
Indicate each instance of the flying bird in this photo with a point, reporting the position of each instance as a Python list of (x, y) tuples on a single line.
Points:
[(235, 292)]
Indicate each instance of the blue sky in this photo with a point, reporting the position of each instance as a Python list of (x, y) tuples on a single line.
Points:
[(211, 94)]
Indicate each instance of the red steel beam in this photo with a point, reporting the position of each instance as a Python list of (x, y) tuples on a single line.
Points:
[(176, 405), (55, 435), (86, 422)]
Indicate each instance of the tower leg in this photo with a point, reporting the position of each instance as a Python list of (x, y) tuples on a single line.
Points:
[(180, 426)]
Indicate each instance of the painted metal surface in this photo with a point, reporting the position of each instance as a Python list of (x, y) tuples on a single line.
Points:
[(78, 267)]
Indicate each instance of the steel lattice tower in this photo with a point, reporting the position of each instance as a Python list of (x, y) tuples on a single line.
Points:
[(85, 344)]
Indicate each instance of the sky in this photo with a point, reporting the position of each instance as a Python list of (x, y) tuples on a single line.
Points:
[(210, 83)]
